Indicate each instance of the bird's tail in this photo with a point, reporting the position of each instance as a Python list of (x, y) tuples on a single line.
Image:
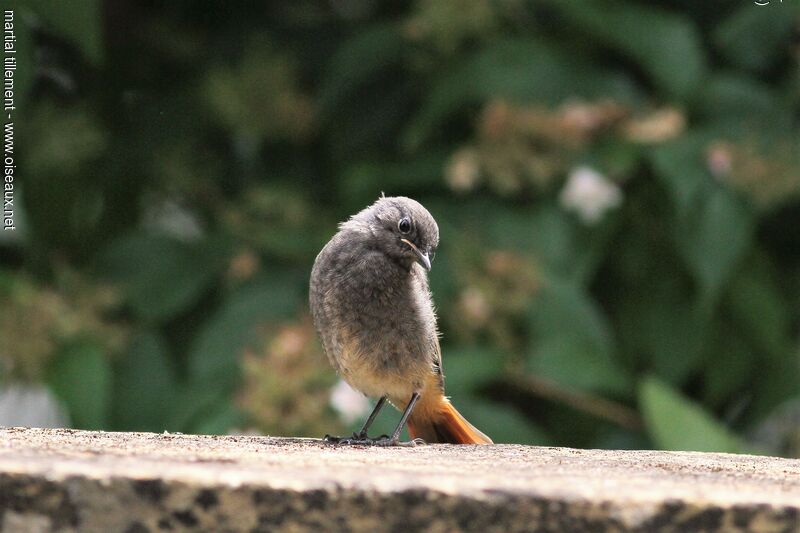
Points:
[(442, 423)]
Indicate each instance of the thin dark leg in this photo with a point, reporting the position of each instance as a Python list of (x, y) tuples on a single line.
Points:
[(360, 437), (406, 414), (394, 440), (363, 433), (385, 440)]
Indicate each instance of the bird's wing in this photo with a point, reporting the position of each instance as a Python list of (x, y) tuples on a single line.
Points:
[(421, 278), (437, 362)]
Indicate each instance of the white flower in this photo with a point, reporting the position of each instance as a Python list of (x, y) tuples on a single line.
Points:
[(350, 404), (30, 406), (463, 170), (589, 194)]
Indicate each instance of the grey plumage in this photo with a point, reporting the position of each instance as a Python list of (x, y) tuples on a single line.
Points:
[(371, 305), (372, 308)]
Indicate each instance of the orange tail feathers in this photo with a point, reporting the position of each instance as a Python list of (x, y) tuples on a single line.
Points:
[(442, 423)]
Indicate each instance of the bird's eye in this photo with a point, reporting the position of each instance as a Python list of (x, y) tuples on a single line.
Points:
[(404, 225)]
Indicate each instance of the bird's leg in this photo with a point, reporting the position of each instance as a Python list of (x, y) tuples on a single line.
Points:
[(394, 440), (363, 433), (361, 436)]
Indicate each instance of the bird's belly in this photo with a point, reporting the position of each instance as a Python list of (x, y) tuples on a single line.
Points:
[(385, 362), (381, 338), (376, 384)]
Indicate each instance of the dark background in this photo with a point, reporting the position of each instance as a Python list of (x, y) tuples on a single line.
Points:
[(616, 184)]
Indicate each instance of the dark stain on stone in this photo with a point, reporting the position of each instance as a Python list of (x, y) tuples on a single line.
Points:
[(316, 500), (706, 520), (187, 518), (66, 514), (741, 517), (411, 498), (23, 494), (546, 515), (152, 490), (665, 517), (495, 515), (259, 496), (137, 527), (744, 515), (165, 524), (468, 515), (275, 507), (792, 515), (359, 500), (206, 499), (268, 521), (14, 496), (789, 516), (274, 500)]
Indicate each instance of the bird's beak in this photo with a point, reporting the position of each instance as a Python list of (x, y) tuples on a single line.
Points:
[(422, 258)]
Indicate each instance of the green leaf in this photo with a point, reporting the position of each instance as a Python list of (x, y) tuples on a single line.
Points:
[(774, 383), (144, 386), (757, 37), (572, 343), (518, 70), (676, 423), (214, 355), (729, 96), (78, 22), (679, 165), (80, 376), (669, 336), (666, 45), (468, 369), (713, 228), (728, 367), (583, 249), (162, 276), (715, 239), (760, 311), (615, 156)]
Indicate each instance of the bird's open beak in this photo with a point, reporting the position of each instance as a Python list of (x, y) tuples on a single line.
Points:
[(422, 258)]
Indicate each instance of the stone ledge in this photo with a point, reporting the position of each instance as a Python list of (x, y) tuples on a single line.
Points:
[(69, 480)]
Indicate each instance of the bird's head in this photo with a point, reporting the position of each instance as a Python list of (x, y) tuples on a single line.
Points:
[(402, 229)]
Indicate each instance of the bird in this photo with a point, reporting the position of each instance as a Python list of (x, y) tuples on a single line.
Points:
[(372, 308)]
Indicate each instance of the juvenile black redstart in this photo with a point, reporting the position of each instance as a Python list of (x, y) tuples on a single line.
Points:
[(373, 311)]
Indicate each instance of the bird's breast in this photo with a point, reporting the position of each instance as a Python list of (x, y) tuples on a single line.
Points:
[(383, 321)]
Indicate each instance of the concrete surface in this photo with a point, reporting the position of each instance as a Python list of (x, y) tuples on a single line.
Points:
[(69, 480)]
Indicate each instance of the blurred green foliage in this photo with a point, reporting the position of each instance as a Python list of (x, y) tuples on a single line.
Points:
[(617, 184)]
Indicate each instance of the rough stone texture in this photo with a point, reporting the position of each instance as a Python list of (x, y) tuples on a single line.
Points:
[(69, 480)]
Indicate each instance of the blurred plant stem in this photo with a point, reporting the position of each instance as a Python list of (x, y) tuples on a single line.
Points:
[(585, 402)]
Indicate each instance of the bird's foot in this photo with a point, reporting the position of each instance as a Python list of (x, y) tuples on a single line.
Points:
[(386, 440), (356, 439), (359, 439)]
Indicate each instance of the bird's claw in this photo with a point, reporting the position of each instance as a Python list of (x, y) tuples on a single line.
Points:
[(349, 441), (385, 440), (358, 440)]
